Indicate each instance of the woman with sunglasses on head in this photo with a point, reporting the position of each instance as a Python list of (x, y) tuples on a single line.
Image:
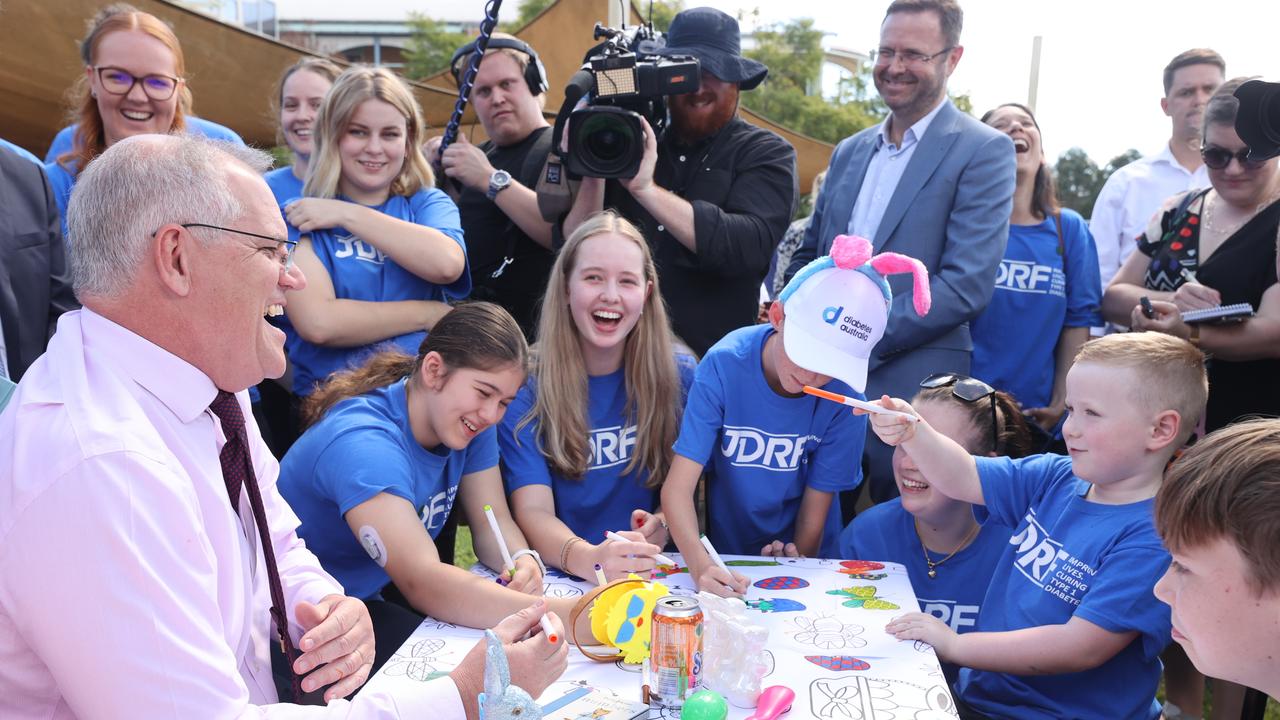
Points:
[(1213, 247), (133, 84), (1047, 292), (949, 555), (381, 246)]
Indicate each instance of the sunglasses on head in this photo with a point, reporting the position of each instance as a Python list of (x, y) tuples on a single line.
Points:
[(1217, 158), (969, 390)]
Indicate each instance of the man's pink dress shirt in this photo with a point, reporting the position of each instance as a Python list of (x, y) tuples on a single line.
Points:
[(128, 587)]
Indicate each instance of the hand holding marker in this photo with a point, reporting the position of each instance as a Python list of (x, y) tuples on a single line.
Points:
[(715, 557), (859, 404), (659, 558), (502, 545), (547, 627)]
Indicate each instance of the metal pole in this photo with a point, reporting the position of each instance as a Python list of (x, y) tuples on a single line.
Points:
[(1035, 73)]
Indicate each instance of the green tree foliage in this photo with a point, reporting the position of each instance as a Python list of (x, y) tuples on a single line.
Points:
[(793, 53), (529, 10), (430, 46), (1080, 179), (663, 11)]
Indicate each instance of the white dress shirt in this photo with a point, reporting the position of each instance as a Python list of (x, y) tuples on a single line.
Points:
[(128, 586), (888, 163), (1128, 200)]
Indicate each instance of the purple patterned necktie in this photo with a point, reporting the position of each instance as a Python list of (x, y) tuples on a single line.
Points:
[(237, 472)]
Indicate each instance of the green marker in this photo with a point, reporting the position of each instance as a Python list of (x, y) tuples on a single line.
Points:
[(502, 542)]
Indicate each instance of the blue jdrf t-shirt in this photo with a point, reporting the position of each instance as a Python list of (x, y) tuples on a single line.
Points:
[(1038, 292), (285, 186), (63, 180), (604, 498), (362, 447), (761, 449), (887, 532), (360, 271), (66, 137), (1069, 557)]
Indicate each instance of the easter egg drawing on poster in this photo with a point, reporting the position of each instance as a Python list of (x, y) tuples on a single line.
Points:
[(775, 605), (838, 662), (859, 567), (782, 582)]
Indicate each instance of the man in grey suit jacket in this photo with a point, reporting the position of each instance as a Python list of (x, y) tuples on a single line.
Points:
[(930, 182), (34, 289)]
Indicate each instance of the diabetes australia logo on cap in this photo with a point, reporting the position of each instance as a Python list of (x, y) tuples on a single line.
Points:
[(837, 307)]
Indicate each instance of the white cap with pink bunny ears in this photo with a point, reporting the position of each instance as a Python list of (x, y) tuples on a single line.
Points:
[(837, 307)]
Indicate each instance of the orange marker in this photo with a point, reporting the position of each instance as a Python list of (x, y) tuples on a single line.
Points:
[(860, 404), (548, 629)]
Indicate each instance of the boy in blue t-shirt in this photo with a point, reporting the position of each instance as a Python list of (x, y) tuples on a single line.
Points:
[(1069, 626), (774, 456)]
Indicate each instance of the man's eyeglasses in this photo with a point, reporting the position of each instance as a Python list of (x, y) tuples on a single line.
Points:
[(1217, 158), (969, 390), (885, 56), (121, 82), (286, 262)]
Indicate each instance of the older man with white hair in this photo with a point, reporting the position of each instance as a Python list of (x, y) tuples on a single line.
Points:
[(145, 553)]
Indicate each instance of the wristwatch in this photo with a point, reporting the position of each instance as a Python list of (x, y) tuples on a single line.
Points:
[(500, 180)]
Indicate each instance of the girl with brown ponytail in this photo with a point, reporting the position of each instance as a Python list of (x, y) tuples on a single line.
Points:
[(391, 446)]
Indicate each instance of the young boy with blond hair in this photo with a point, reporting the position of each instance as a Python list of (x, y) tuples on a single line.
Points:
[(1217, 513), (1069, 627)]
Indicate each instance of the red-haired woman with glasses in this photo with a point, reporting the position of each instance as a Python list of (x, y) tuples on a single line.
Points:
[(1213, 247), (133, 84)]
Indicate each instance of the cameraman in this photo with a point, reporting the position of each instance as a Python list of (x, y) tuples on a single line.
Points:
[(714, 196), (508, 242)]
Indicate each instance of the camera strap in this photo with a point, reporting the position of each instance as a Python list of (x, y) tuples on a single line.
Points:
[(531, 167)]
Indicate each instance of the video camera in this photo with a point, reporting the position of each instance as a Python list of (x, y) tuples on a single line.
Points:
[(1258, 119), (624, 80)]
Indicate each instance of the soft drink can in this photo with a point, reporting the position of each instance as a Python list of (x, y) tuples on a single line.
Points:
[(675, 650)]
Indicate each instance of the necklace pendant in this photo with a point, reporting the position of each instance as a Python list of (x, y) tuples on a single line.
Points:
[(932, 573)]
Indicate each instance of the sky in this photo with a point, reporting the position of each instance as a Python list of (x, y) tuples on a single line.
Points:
[(1100, 67), (1101, 61)]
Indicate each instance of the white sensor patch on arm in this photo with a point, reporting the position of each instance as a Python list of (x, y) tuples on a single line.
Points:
[(372, 544)]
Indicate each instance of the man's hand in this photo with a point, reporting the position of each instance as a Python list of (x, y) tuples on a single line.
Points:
[(528, 577), (923, 626), (467, 164), (338, 641), (643, 180), (309, 214), (534, 662)]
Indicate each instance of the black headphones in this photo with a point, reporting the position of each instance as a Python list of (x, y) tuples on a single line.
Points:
[(535, 76)]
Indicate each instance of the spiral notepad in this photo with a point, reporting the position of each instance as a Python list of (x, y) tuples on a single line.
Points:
[(1221, 313)]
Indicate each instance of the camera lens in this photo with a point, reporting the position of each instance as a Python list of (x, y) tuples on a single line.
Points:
[(607, 139)]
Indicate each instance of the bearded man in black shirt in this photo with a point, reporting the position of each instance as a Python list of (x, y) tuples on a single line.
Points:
[(713, 196)]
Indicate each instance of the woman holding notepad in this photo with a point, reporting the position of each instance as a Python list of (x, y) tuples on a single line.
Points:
[(1215, 247)]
